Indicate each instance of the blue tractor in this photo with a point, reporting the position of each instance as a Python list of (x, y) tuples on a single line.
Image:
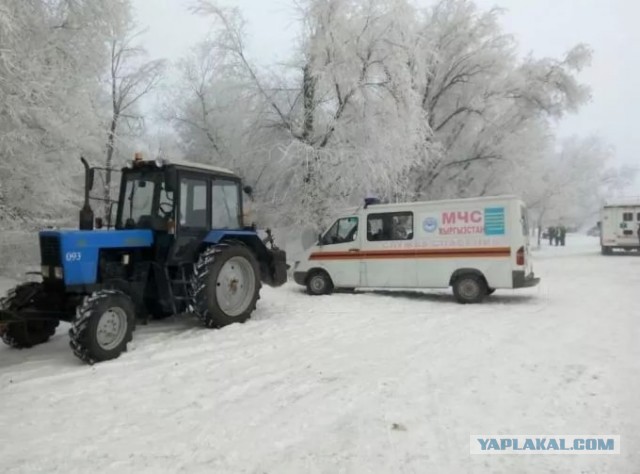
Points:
[(178, 245)]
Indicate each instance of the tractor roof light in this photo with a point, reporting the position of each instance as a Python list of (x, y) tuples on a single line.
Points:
[(137, 159)]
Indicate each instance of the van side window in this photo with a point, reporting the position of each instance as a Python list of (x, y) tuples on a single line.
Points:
[(390, 226), (627, 216), (638, 217), (342, 231)]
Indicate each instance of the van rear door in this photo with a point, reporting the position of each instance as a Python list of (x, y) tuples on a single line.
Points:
[(626, 221), (524, 225)]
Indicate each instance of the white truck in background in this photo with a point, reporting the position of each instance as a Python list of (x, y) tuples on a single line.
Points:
[(473, 245), (619, 224)]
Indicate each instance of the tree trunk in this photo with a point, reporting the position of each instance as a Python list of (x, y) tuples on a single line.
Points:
[(109, 163), (308, 93), (539, 234)]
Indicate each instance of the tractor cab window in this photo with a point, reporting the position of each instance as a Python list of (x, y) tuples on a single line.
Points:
[(165, 206), (225, 205), (138, 200), (193, 203)]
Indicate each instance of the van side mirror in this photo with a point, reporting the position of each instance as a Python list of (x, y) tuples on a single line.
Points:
[(320, 240)]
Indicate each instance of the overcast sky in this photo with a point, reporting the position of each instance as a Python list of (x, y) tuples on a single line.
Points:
[(543, 27)]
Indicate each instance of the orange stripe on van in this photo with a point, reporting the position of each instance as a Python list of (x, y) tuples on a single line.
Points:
[(470, 252)]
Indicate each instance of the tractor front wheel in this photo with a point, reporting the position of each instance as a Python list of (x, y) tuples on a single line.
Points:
[(225, 285), (22, 335), (103, 326)]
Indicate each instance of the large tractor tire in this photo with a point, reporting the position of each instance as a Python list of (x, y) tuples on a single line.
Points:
[(22, 335), (225, 285), (103, 326)]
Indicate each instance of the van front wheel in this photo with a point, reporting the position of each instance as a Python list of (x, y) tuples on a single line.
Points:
[(469, 289), (319, 283)]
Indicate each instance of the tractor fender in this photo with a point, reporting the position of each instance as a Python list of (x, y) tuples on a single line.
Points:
[(247, 237), (272, 262)]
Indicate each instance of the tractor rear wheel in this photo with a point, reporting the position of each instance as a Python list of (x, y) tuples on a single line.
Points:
[(22, 335), (103, 326), (225, 285)]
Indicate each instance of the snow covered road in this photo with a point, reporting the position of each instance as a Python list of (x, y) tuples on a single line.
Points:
[(367, 382)]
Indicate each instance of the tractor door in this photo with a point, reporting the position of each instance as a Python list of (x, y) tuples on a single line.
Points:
[(193, 217)]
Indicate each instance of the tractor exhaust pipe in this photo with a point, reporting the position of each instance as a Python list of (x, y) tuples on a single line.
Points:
[(86, 213)]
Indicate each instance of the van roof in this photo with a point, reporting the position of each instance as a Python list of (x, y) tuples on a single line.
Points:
[(631, 201), (396, 205)]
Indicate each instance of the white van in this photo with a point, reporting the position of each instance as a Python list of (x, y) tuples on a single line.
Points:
[(619, 224), (473, 245)]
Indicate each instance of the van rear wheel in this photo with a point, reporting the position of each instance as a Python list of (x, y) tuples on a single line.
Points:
[(470, 289)]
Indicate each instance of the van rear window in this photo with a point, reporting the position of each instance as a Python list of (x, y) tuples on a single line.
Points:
[(525, 221)]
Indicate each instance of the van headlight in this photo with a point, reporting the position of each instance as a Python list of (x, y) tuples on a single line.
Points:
[(45, 270), (58, 273)]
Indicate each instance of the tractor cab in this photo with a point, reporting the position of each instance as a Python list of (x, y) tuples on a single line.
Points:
[(163, 196), (178, 245), (181, 202)]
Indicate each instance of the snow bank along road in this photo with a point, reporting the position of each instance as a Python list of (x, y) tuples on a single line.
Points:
[(380, 383)]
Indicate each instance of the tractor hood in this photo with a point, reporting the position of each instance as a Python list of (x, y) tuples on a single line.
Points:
[(77, 251)]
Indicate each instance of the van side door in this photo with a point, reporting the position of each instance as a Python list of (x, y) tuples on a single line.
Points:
[(388, 251), (338, 252)]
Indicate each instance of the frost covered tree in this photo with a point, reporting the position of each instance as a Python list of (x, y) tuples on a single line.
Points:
[(483, 104), (380, 97), (570, 182), (51, 100), (341, 121), (131, 77)]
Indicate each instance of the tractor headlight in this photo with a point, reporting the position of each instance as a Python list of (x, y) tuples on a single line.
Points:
[(58, 273), (45, 270)]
